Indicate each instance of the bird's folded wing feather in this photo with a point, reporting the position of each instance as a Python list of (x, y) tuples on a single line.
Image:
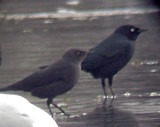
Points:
[(42, 77), (104, 54), (51, 90)]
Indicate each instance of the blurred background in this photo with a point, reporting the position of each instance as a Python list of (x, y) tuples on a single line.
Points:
[(34, 33)]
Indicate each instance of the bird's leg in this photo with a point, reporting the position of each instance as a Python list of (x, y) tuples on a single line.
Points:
[(110, 79), (55, 105), (103, 86), (49, 101)]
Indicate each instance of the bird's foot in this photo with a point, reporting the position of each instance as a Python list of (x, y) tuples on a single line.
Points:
[(63, 113), (66, 114)]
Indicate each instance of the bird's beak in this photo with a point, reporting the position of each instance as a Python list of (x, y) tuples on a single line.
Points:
[(142, 30)]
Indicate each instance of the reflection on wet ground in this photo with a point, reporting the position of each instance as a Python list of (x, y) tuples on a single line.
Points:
[(105, 116), (28, 43)]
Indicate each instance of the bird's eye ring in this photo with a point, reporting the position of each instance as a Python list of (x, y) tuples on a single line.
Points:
[(132, 29)]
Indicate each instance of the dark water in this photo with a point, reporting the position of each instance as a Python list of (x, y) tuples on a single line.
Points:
[(30, 38)]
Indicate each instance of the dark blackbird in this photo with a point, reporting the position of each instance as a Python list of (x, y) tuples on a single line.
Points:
[(112, 54), (53, 80)]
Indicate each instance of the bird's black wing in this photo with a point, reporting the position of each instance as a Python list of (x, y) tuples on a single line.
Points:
[(105, 53)]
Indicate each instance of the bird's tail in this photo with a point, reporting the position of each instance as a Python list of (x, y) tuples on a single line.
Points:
[(4, 89), (16, 87), (9, 88)]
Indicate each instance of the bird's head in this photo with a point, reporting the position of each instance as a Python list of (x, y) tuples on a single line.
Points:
[(75, 55), (130, 31)]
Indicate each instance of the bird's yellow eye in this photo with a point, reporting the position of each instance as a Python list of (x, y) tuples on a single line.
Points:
[(132, 30)]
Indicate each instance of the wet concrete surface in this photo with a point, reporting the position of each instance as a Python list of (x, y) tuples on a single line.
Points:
[(29, 43)]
